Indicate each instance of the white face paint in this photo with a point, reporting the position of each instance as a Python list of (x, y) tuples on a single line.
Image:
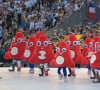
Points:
[(93, 58), (42, 55), (14, 51), (72, 53), (59, 60), (27, 53), (90, 54)]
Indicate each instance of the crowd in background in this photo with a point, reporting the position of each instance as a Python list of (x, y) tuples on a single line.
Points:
[(31, 16)]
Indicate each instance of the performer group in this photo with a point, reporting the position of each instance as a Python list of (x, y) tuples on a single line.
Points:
[(38, 49)]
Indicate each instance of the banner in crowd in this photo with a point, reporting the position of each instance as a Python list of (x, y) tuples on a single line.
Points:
[(92, 11)]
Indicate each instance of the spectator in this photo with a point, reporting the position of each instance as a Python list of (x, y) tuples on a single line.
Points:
[(1, 32)]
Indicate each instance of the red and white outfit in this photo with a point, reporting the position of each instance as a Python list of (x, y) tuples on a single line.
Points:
[(62, 59), (91, 50), (29, 50), (75, 50), (16, 49), (43, 52), (95, 63), (86, 46)]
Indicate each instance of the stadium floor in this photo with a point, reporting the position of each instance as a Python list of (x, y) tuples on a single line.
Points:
[(25, 81)]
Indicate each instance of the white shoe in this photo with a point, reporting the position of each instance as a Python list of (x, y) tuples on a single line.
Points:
[(60, 76), (89, 71), (65, 79), (31, 70)]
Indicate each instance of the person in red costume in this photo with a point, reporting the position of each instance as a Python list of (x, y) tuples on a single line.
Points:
[(86, 47), (29, 49), (90, 52), (43, 54), (62, 59), (37, 35), (95, 63), (75, 49), (16, 50)]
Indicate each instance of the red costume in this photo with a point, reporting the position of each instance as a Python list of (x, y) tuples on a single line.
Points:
[(86, 46), (16, 50), (62, 57), (43, 51), (95, 63), (17, 47), (95, 59), (37, 35), (30, 47), (75, 48), (91, 50)]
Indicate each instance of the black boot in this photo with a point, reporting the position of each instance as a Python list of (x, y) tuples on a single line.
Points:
[(42, 71), (12, 68), (93, 74), (92, 77), (69, 75), (98, 81), (98, 77), (48, 69)]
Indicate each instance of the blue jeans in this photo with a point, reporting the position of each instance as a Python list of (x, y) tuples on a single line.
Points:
[(64, 70), (88, 66), (31, 65)]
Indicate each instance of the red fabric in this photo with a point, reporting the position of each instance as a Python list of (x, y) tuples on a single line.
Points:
[(96, 63), (91, 51), (85, 50), (8, 49), (7, 55), (43, 53), (92, 15), (91, 12), (53, 47), (37, 35), (86, 59), (75, 48), (16, 48), (68, 62), (29, 49)]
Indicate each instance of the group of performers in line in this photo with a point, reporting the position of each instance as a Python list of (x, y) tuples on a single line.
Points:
[(38, 49)]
